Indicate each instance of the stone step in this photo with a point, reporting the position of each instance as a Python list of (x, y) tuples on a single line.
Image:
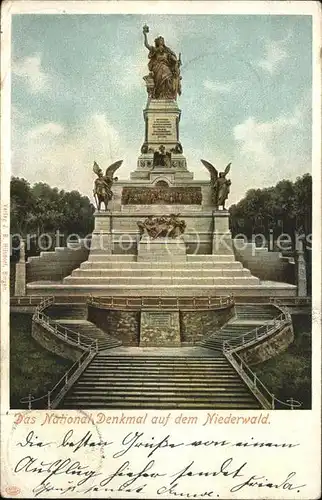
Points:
[(67, 311), (182, 393), (103, 362), (175, 272), (164, 281), (210, 257), (111, 257), (185, 405), (161, 265), (130, 383), (102, 397), (165, 370)]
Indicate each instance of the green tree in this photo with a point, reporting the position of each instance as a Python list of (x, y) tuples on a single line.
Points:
[(40, 209)]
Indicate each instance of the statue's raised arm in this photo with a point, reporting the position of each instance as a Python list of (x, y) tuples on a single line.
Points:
[(164, 79), (145, 34)]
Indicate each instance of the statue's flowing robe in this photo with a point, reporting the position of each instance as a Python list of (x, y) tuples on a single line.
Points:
[(161, 67)]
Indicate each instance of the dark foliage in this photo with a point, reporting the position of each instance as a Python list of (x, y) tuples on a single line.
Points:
[(288, 375), (40, 209), (33, 370)]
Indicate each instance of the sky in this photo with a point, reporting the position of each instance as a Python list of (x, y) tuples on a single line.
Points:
[(78, 95)]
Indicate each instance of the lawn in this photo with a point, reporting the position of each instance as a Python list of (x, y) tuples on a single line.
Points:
[(33, 369), (288, 375)]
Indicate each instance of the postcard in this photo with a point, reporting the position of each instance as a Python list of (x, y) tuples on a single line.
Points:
[(161, 250)]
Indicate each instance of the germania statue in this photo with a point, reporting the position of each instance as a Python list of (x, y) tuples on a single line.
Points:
[(220, 185), (102, 186), (164, 67)]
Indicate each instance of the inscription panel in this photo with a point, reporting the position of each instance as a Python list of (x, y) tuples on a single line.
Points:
[(159, 319), (162, 129)]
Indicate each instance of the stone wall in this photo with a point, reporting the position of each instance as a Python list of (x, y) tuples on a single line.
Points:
[(160, 328), (270, 266), (197, 325), (54, 344), (268, 348), (123, 325), (54, 266)]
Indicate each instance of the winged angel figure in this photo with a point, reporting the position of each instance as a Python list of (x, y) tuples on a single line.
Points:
[(220, 185), (103, 183)]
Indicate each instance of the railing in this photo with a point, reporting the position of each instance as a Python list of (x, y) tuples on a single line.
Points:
[(199, 302), (268, 400), (34, 300), (258, 333), (89, 347), (53, 397), (230, 351), (27, 300), (296, 301)]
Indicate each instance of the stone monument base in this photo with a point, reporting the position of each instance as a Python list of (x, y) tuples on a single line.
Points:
[(160, 329), (161, 249), (222, 243)]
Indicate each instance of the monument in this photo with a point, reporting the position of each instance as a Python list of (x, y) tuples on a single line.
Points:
[(161, 184), (161, 232)]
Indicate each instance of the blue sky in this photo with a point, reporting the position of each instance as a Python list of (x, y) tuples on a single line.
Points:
[(78, 95)]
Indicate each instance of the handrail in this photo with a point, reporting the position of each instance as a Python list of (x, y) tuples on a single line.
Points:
[(258, 332), (267, 398), (90, 349), (208, 302), (230, 350), (291, 301)]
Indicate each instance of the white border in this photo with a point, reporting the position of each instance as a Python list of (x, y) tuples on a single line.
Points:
[(304, 420)]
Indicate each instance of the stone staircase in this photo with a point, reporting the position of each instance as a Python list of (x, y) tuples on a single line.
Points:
[(73, 316), (124, 272), (187, 382), (247, 318)]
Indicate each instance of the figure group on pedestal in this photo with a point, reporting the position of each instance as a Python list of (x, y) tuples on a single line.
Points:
[(220, 185), (157, 227), (164, 80)]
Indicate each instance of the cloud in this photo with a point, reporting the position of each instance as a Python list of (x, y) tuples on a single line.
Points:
[(30, 70), (275, 55), (218, 87), (272, 150), (45, 130), (63, 157)]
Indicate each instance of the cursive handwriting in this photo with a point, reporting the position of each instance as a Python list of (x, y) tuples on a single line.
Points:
[(135, 466), (32, 440), (84, 441), (57, 467), (263, 482), (133, 440)]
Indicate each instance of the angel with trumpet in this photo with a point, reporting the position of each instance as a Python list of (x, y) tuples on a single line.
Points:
[(220, 185), (102, 187)]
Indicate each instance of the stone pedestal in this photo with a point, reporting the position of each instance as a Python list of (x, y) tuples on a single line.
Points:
[(162, 118), (161, 249), (20, 279), (221, 241), (301, 280), (102, 239), (160, 328)]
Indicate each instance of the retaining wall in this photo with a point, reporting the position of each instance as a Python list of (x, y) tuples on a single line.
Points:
[(54, 266), (269, 347), (54, 344), (270, 266)]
